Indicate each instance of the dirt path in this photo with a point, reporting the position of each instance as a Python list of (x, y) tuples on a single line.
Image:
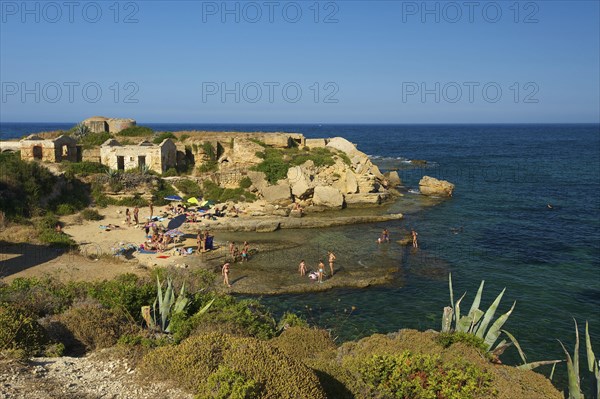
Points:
[(78, 378)]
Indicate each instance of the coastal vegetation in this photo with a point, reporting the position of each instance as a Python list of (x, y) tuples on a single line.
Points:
[(276, 161), (136, 131), (215, 345)]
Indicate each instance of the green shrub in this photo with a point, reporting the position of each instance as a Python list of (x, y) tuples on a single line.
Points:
[(164, 189), (303, 343), (127, 292), (23, 185), (133, 201), (214, 192), (40, 296), (91, 214), (192, 363), (94, 139), (135, 131), (208, 166), (95, 327), (184, 137), (189, 188), (20, 332), (170, 172), (209, 151), (65, 209), (417, 376), (226, 383), (227, 314), (447, 339), (245, 183), (83, 168), (163, 136)]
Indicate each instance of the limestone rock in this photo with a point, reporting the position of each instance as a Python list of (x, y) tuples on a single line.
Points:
[(393, 178), (432, 186), (259, 182), (244, 152), (351, 182), (267, 226), (328, 196), (363, 199), (278, 194), (341, 144), (300, 182)]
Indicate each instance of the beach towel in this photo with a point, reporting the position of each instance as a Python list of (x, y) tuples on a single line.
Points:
[(145, 251), (163, 256)]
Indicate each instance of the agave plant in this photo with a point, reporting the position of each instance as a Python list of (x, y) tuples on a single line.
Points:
[(166, 306), (81, 130), (573, 364), (477, 322)]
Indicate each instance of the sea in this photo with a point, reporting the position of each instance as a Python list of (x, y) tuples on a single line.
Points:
[(525, 216)]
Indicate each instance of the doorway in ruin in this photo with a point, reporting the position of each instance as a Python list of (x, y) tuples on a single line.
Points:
[(141, 161), (120, 163), (37, 152)]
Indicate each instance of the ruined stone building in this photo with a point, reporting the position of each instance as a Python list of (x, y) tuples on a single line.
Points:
[(62, 148), (101, 124), (157, 157)]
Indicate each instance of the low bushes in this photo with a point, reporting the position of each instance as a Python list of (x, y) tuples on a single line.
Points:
[(257, 367), (136, 131), (83, 168), (163, 136), (93, 326), (214, 192), (411, 375), (189, 188), (20, 334)]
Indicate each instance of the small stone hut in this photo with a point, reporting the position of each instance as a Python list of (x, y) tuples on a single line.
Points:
[(157, 157), (62, 148)]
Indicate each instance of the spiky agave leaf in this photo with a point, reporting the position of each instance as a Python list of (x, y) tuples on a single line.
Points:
[(477, 300), (489, 315), (532, 365), (494, 331), (516, 344), (591, 358), (457, 308), (576, 353), (451, 291), (447, 319), (574, 387)]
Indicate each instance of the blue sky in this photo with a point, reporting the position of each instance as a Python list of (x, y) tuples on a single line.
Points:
[(301, 62)]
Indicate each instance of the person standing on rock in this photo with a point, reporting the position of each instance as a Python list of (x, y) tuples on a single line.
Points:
[(302, 268), (414, 238), (225, 273), (332, 258), (321, 271)]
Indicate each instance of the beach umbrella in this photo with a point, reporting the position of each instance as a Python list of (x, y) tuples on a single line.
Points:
[(193, 200), (174, 232), (176, 222), (173, 198)]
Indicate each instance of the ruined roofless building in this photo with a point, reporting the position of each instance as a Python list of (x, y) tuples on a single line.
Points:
[(101, 124), (62, 148), (158, 158)]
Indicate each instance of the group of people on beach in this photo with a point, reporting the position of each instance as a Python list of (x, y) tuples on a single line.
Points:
[(385, 237), (320, 273)]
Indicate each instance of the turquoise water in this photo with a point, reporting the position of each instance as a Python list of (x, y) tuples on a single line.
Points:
[(548, 259)]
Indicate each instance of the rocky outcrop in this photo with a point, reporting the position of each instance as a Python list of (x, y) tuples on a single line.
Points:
[(278, 194), (393, 178), (329, 197), (300, 182), (244, 152), (432, 186)]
